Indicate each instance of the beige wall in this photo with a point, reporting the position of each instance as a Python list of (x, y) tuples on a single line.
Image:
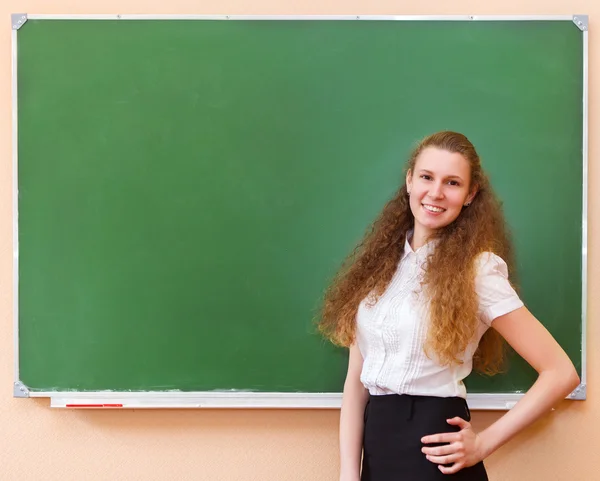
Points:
[(39, 443)]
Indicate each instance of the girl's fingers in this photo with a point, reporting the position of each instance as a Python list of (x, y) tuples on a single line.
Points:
[(460, 422), (441, 450), (455, 468), (450, 459), (441, 438)]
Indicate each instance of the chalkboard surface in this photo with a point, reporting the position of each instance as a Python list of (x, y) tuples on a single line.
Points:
[(187, 189)]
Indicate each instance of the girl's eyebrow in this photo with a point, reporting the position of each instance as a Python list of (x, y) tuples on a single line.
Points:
[(425, 171)]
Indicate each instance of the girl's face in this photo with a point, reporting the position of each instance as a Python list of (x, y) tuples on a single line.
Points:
[(439, 188)]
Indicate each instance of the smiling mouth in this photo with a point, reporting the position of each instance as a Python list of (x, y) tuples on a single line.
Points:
[(434, 209)]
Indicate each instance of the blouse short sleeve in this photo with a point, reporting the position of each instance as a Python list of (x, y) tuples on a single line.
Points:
[(496, 295)]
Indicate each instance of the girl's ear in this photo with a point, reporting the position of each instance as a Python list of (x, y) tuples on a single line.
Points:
[(472, 195), (408, 180)]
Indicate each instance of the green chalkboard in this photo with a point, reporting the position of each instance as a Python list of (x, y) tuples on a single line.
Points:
[(187, 188)]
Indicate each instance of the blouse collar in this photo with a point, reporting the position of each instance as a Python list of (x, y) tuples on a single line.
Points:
[(424, 250)]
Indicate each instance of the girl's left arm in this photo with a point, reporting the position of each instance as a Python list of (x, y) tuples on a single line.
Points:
[(557, 378)]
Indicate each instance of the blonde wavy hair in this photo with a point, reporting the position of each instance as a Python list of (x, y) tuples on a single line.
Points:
[(449, 280)]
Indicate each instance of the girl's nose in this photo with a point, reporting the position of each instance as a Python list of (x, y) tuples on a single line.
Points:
[(436, 191)]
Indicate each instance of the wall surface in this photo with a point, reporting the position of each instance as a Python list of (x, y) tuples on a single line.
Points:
[(272, 445)]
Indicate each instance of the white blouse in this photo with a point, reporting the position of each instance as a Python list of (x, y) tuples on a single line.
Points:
[(391, 333)]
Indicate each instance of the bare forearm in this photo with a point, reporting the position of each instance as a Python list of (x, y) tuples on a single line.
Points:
[(549, 389), (351, 428)]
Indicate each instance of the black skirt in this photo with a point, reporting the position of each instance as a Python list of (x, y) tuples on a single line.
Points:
[(394, 426)]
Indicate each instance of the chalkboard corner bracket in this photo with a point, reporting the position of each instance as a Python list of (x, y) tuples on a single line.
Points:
[(20, 390), (581, 22), (579, 393), (17, 20)]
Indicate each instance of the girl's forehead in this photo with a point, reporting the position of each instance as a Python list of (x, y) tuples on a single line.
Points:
[(442, 162)]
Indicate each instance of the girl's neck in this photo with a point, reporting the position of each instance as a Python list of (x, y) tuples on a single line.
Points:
[(419, 238)]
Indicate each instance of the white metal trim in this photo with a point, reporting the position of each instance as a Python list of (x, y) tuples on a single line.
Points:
[(235, 400), (192, 400), (584, 224), (15, 201), (302, 17)]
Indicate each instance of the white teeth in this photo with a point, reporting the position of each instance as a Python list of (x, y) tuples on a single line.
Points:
[(431, 208)]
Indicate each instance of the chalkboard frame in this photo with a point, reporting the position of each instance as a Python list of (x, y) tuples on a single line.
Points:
[(156, 399)]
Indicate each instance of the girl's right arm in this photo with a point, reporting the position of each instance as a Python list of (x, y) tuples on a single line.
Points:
[(354, 401)]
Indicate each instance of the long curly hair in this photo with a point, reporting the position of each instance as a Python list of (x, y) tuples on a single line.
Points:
[(449, 280)]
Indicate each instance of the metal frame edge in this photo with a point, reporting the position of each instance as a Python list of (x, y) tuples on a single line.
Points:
[(19, 388), (138, 16), (584, 220), (241, 400)]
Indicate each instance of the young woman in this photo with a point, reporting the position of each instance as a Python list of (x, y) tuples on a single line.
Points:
[(424, 299)]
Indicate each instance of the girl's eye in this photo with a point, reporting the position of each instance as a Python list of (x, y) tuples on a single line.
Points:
[(425, 177), (453, 182)]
